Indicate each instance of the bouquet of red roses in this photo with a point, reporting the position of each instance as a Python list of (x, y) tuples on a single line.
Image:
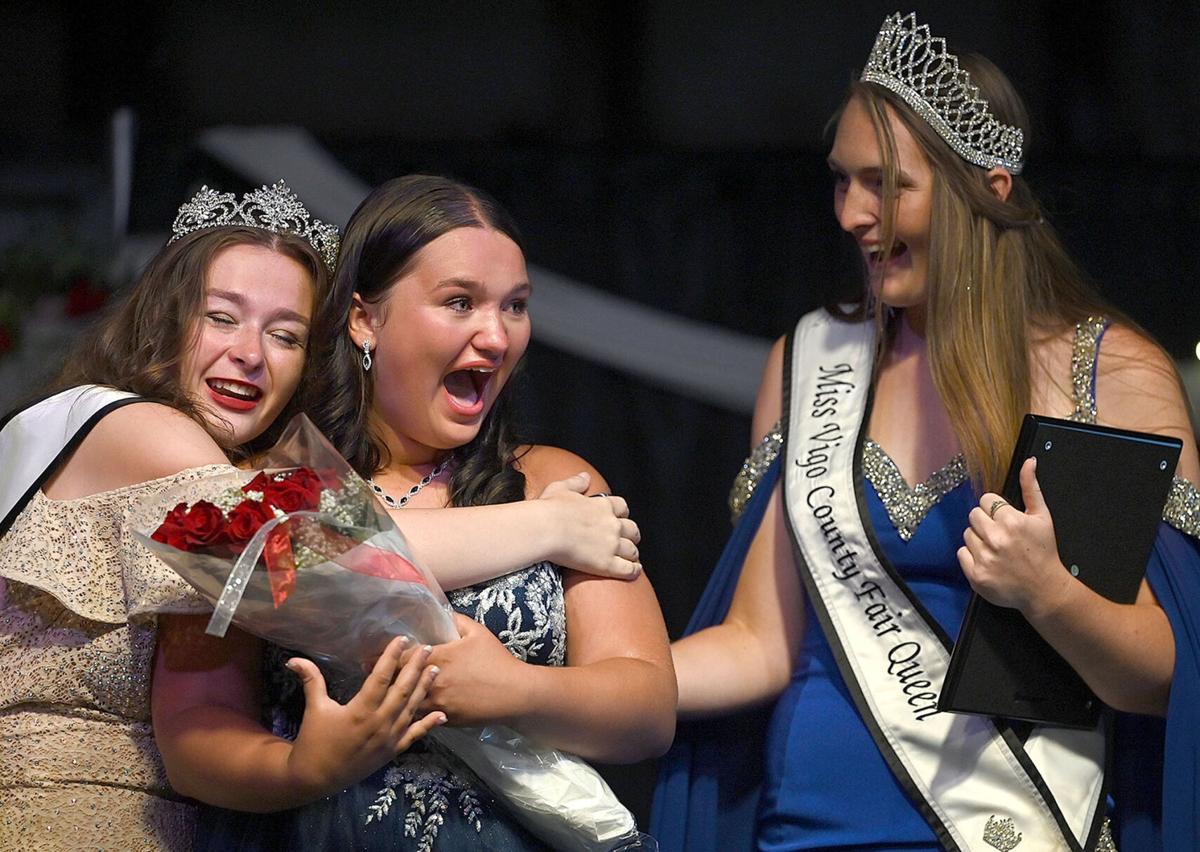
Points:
[(337, 580), (301, 554), (225, 526)]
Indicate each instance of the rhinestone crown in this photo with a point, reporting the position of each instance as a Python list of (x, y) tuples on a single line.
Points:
[(271, 208), (919, 68), (1001, 834)]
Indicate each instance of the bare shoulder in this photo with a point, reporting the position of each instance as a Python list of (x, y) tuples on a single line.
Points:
[(543, 464), (1138, 387), (134, 443), (768, 407)]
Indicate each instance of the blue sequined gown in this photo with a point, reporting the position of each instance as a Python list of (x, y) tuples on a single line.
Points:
[(824, 784)]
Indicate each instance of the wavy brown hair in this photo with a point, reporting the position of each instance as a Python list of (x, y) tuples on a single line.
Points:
[(140, 343), (999, 276), (382, 241)]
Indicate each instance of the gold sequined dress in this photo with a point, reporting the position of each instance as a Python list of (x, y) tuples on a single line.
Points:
[(78, 596)]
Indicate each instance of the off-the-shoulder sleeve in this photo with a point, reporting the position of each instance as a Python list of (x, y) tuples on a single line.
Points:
[(1156, 765), (149, 585), (83, 553), (1156, 761)]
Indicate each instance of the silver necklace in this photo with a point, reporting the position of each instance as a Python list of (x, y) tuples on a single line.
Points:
[(392, 503)]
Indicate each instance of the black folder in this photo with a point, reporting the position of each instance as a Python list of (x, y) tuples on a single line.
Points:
[(1105, 489)]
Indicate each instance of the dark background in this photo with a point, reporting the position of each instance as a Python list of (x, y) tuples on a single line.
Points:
[(672, 153)]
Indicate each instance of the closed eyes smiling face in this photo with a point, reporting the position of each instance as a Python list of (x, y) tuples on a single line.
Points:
[(250, 342)]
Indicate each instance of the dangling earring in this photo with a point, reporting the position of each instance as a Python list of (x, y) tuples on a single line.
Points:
[(366, 356)]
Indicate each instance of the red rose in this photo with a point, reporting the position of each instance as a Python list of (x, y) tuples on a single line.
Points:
[(245, 519), (259, 483), (204, 526), (171, 531), (292, 494), (310, 481)]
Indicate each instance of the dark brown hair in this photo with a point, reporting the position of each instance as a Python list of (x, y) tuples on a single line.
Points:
[(140, 343), (381, 243)]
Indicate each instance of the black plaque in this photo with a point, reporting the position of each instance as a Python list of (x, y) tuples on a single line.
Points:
[(1105, 489)]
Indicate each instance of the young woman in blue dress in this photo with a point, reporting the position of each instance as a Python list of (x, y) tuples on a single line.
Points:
[(886, 429)]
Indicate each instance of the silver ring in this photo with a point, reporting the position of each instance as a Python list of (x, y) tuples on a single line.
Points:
[(600, 494), (1000, 501)]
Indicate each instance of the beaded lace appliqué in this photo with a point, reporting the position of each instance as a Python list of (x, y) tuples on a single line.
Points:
[(429, 790), (525, 610)]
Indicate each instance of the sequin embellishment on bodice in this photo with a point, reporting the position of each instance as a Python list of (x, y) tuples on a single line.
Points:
[(908, 505)]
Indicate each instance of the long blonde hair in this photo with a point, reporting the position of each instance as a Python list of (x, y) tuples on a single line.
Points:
[(997, 273)]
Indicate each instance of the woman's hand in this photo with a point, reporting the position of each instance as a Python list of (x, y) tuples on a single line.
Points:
[(1010, 557), (478, 678), (593, 535), (340, 744)]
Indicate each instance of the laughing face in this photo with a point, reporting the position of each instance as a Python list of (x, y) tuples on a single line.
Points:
[(900, 280), (445, 340), (249, 350)]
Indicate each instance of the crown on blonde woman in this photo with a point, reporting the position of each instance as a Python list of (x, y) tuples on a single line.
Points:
[(917, 66), (271, 208)]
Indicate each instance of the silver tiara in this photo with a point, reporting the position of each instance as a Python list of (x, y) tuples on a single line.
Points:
[(272, 208), (919, 68)]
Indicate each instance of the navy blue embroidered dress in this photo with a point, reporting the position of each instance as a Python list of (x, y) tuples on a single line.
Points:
[(425, 800)]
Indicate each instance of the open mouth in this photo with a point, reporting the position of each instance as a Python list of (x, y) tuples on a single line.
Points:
[(876, 256), (467, 387), (234, 394)]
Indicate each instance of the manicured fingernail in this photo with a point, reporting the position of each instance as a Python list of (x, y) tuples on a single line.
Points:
[(441, 719), (428, 649), (434, 671), (292, 665)]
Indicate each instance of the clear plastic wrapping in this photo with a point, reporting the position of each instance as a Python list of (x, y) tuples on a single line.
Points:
[(300, 554)]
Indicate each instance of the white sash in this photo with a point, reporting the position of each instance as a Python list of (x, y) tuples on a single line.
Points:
[(34, 440), (971, 778)]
